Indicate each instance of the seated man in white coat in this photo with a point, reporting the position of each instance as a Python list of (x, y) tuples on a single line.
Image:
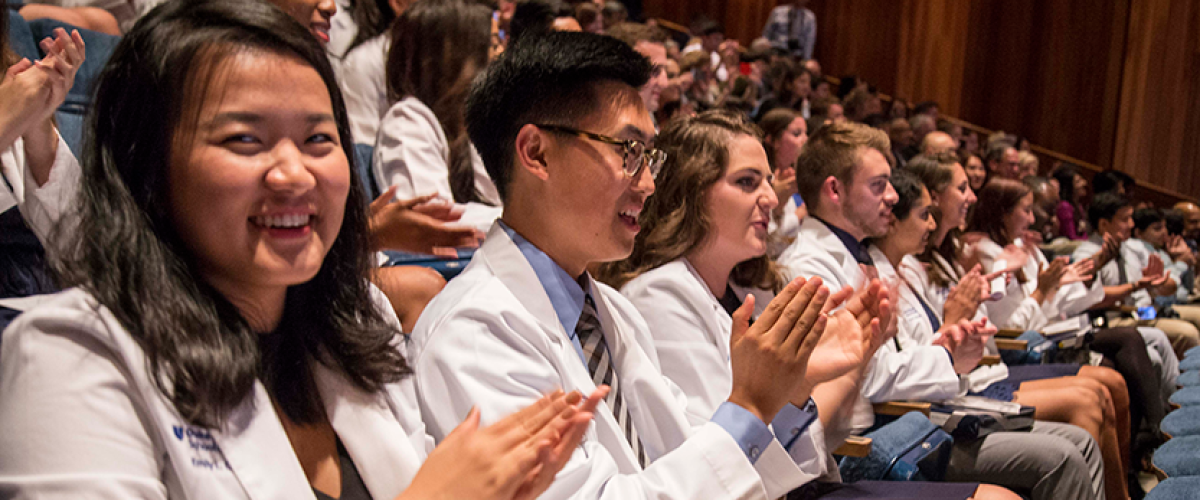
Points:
[(563, 132), (844, 174)]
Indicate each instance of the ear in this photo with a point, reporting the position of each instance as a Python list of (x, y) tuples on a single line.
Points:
[(531, 146), (933, 199), (831, 189)]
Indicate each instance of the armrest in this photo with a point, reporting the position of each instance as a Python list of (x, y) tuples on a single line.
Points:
[(989, 360), (1009, 333), (1012, 344), (854, 446), (899, 408)]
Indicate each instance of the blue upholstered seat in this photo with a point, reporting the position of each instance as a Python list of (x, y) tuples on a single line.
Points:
[(1176, 488), (1182, 422), (1179, 457)]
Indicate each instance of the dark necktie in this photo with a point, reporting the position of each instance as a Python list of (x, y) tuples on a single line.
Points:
[(599, 363)]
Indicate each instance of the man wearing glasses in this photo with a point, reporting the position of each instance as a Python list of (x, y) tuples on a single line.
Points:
[(568, 141)]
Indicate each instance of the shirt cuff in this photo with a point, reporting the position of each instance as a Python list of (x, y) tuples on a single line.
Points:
[(791, 422), (750, 432)]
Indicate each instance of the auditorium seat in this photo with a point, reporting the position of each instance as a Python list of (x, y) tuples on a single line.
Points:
[(1188, 396), (1179, 456), (1189, 379), (1182, 422), (1175, 488)]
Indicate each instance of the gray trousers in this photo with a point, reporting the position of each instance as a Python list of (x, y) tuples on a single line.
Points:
[(1051, 462)]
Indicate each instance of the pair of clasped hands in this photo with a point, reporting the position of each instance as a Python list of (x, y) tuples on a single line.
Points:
[(803, 339), (33, 90)]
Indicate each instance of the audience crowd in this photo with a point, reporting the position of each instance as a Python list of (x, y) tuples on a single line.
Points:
[(695, 269)]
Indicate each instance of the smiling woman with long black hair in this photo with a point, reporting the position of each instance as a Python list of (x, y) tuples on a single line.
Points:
[(222, 340)]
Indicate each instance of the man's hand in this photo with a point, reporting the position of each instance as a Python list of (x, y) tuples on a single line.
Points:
[(770, 358), (419, 225), (1178, 249), (853, 335), (1110, 250)]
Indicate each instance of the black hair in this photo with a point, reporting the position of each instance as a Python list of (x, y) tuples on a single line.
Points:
[(533, 16), (372, 17), (1065, 175), (1143, 218), (1104, 207), (908, 188), (546, 78), (1174, 220), (438, 46), (1109, 180), (202, 353)]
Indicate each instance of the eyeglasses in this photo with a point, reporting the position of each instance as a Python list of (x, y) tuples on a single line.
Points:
[(637, 155)]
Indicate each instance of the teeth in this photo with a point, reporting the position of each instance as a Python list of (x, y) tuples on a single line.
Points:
[(283, 221), (631, 213)]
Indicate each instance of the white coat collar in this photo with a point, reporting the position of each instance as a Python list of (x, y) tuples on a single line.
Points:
[(260, 455), (508, 264)]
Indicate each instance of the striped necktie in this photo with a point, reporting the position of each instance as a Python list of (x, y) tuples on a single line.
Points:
[(599, 361)]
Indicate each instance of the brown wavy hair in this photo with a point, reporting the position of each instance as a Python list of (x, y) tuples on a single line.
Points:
[(996, 199), (438, 46), (675, 221)]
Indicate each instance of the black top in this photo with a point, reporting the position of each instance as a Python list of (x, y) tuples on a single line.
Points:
[(352, 483)]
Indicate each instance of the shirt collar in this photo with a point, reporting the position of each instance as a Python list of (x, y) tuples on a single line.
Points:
[(856, 248), (566, 294)]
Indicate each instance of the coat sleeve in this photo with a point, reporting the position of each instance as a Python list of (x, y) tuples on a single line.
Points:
[(1016, 309), (498, 361), (917, 373), (43, 206), (72, 423)]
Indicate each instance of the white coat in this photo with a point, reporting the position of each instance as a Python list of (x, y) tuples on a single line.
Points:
[(82, 418), (40, 206), (918, 370), (818, 252), (411, 153), (1017, 309), (916, 276), (492, 339), (691, 333), (363, 79)]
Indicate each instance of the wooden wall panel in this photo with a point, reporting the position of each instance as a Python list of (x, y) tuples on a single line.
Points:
[(932, 52), (743, 19), (1113, 83), (1158, 134), (859, 37)]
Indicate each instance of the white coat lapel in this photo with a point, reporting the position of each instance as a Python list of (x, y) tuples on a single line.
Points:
[(377, 443), (717, 319), (508, 264), (259, 452)]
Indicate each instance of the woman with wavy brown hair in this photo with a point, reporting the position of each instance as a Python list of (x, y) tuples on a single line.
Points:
[(702, 252)]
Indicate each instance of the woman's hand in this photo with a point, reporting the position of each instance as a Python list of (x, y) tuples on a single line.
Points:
[(1050, 277), (515, 458), (964, 299), (1078, 272), (419, 225)]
